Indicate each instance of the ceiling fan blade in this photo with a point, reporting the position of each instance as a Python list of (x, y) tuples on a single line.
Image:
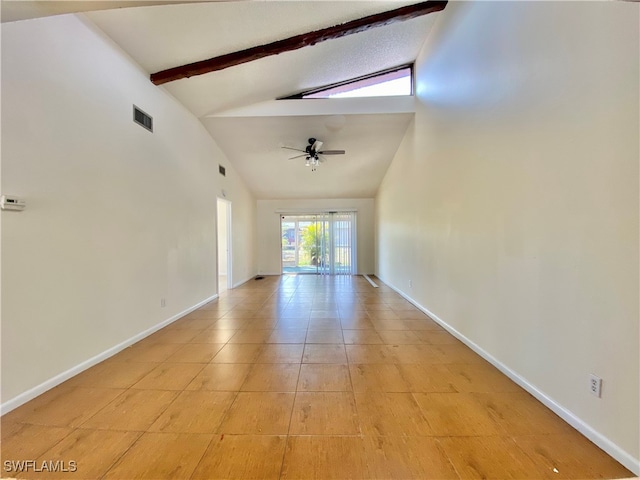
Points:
[(332, 152), (317, 145), (296, 149), (298, 156)]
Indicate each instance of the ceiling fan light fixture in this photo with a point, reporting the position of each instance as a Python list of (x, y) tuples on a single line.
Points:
[(312, 152)]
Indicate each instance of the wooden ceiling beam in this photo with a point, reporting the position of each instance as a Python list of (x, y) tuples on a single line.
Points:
[(299, 41)]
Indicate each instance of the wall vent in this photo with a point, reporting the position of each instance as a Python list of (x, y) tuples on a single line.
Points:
[(222, 170), (142, 119)]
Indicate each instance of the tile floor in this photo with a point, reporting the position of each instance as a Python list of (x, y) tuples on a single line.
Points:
[(298, 377)]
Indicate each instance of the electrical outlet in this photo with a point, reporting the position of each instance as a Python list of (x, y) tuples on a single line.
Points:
[(595, 385), (163, 302)]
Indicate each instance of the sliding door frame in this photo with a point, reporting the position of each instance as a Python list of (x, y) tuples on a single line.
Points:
[(325, 217)]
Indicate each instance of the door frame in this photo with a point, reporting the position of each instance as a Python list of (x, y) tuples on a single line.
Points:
[(227, 204), (324, 216)]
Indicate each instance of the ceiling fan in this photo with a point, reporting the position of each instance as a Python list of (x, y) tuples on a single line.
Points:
[(313, 153)]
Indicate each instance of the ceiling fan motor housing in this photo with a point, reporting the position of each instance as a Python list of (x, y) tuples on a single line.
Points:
[(313, 151)]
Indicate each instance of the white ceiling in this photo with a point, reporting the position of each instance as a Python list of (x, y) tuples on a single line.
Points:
[(15, 10), (256, 144), (160, 37), (178, 34)]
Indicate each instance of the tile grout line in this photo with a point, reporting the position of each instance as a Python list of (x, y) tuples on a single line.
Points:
[(256, 323), (115, 462), (295, 396), (119, 457), (222, 417)]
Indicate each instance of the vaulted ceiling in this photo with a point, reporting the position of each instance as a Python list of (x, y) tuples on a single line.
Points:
[(237, 105)]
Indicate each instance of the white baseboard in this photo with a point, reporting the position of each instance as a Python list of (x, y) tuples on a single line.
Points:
[(66, 375), (621, 455)]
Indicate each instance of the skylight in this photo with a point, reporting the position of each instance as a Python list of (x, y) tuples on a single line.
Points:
[(398, 81)]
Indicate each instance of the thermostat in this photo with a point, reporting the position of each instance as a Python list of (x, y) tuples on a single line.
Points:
[(8, 202)]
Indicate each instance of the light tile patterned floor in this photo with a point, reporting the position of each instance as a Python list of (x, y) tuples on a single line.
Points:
[(299, 377)]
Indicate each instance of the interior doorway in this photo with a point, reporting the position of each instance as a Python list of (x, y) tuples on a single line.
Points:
[(319, 243), (225, 269)]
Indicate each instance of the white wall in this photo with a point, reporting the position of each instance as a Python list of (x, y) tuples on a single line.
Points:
[(222, 237), (243, 230), (269, 243), (512, 203), (117, 218)]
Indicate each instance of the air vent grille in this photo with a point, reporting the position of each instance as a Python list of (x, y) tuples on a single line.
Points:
[(142, 119)]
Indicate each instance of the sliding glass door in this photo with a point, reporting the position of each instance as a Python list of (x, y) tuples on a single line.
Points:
[(304, 240), (342, 246), (320, 243)]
